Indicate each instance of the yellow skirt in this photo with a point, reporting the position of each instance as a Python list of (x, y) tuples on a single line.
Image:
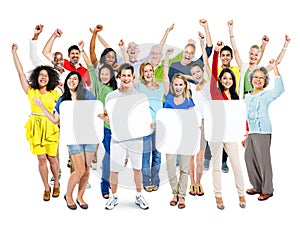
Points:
[(42, 135)]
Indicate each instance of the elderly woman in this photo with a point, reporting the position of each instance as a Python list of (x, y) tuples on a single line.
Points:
[(259, 131)]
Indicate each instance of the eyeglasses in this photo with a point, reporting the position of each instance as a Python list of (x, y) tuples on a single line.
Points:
[(189, 53)]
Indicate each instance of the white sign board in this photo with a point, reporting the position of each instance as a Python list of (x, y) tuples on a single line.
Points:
[(79, 122), (225, 120), (177, 131), (129, 117)]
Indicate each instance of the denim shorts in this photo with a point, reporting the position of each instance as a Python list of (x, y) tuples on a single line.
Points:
[(74, 149)]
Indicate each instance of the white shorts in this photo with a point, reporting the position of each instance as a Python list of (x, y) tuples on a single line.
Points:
[(118, 151)]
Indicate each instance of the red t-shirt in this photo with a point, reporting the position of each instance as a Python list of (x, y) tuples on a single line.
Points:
[(82, 70)]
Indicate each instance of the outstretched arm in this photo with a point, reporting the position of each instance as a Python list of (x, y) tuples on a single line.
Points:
[(164, 39), (101, 39), (47, 51), (204, 54), (233, 44), (19, 67)]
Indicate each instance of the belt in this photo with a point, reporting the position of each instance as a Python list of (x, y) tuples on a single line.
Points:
[(247, 92), (38, 114)]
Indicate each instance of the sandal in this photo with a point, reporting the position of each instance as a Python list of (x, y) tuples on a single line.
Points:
[(199, 190), (181, 205), (148, 188), (242, 201), (220, 204), (105, 195), (192, 190), (174, 202), (264, 196)]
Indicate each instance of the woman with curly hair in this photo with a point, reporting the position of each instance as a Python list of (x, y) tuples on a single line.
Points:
[(41, 133)]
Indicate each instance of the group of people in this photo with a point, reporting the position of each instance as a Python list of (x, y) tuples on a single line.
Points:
[(181, 82)]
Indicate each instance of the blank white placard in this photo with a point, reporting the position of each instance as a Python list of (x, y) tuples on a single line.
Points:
[(177, 131), (79, 123), (129, 116), (225, 120)]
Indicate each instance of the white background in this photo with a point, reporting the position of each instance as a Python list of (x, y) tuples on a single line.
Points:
[(145, 22)]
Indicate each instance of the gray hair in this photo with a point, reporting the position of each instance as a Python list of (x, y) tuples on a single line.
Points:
[(264, 70)]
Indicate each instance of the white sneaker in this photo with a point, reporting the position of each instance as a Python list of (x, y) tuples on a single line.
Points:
[(111, 203), (141, 202), (88, 185)]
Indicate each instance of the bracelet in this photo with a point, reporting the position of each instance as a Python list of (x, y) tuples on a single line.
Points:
[(284, 48), (82, 50), (231, 36)]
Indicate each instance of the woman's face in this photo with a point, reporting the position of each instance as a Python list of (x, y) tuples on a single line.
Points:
[(226, 80), (73, 82), (254, 54), (43, 78), (258, 80), (110, 58), (197, 74), (105, 75), (178, 86), (148, 73)]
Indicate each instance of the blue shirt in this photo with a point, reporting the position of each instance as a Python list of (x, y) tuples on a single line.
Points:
[(88, 96), (258, 106), (169, 102)]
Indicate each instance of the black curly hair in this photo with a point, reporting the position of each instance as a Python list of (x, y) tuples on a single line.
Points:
[(52, 73)]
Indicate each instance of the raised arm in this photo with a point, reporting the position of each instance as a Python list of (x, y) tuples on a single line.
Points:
[(123, 51), (265, 41), (281, 54), (93, 55), (166, 71), (47, 51), (204, 54), (101, 39), (236, 53), (35, 59), (164, 39), (19, 67)]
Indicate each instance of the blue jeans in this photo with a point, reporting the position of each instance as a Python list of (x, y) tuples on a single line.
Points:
[(106, 162), (150, 155)]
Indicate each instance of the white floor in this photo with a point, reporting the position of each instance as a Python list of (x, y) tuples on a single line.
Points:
[(22, 202)]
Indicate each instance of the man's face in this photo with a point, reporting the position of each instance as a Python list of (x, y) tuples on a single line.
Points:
[(155, 55), (74, 56), (133, 51), (226, 58), (58, 61)]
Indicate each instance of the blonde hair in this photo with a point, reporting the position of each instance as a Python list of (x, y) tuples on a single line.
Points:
[(142, 79), (186, 92)]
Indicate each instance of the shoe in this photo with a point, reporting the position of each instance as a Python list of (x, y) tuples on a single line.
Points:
[(192, 190), (148, 188), (83, 206), (263, 196), (56, 191), (72, 207), (46, 196), (206, 164), (69, 164), (105, 195), (251, 191), (52, 179), (88, 185), (225, 168), (182, 204), (155, 187), (199, 190), (220, 204), (242, 202), (174, 202), (94, 166), (141, 202), (111, 203)]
